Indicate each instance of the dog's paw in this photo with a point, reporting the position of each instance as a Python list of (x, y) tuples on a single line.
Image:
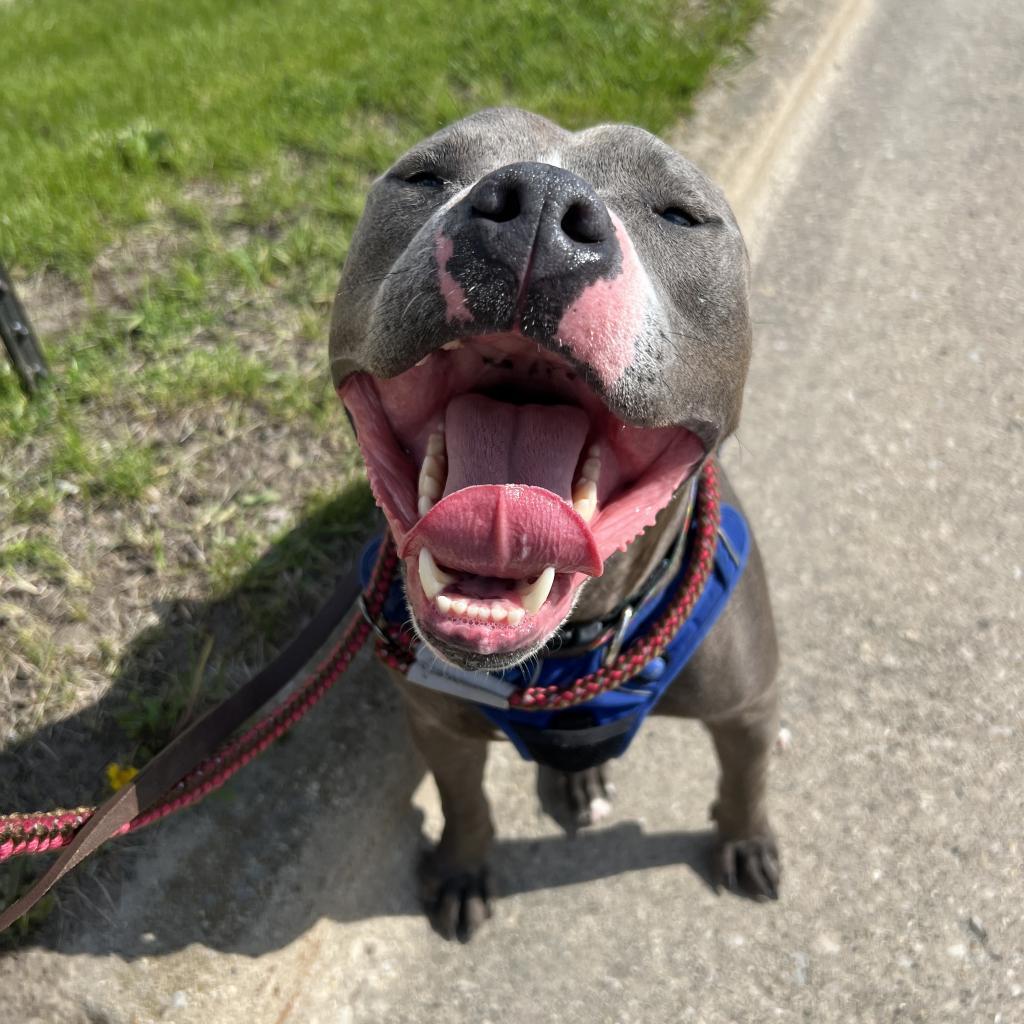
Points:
[(457, 902), (749, 867), (589, 795)]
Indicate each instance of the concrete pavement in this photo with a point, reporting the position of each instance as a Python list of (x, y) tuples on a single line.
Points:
[(881, 457)]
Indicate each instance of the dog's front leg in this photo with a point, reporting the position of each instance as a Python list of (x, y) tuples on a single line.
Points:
[(747, 858), (453, 876)]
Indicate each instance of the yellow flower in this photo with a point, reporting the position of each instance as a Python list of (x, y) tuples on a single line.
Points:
[(119, 775)]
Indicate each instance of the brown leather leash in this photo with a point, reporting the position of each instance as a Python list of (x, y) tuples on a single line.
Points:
[(191, 747)]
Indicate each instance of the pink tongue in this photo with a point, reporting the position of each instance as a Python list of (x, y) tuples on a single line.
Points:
[(505, 530), (506, 509), (493, 442)]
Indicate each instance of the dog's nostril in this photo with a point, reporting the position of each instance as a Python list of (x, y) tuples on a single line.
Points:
[(496, 202), (585, 222)]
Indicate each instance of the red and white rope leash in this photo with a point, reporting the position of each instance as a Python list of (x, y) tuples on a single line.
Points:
[(36, 833)]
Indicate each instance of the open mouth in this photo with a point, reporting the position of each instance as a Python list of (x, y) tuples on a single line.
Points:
[(506, 482)]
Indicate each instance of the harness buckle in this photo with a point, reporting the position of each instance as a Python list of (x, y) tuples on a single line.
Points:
[(615, 646)]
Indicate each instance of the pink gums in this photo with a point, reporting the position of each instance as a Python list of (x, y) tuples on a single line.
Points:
[(453, 293), (600, 328)]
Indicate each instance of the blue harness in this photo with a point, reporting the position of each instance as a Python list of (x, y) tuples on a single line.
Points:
[(591, 733)]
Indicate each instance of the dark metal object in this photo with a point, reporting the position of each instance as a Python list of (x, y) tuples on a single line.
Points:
[(19, 339)]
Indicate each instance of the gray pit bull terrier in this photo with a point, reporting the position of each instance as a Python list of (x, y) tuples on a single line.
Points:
[(540, 337)]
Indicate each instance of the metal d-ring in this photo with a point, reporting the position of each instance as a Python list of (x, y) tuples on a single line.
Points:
[(371, 621), (615, 646), (727, 544)]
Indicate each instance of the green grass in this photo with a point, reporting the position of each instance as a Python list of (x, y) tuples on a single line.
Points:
[(113, 113), (236, 139), (111, 105), (34, 553)]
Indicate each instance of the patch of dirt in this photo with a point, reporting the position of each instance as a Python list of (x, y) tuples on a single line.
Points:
[(56, 305), (132, 611)]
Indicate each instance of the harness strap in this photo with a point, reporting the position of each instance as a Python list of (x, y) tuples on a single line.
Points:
[(576, 638), (602, 728), (548, 711)]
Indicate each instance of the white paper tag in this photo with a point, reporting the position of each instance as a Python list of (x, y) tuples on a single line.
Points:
[(436, 674)]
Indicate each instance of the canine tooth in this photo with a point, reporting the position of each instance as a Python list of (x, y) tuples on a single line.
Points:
[(435, 444), (585, 508), (595, 451), (585, 490), (459, 605), (432, 467), (431, 482), (424, 505), (515, 616), (443, 603), (499, 613), (430, 487), (536, 594), (591, 469), (584, 499), (451, 346), (432, 579)]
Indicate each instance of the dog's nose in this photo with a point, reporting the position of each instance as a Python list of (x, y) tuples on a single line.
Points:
[(560, 207), (525, 242)]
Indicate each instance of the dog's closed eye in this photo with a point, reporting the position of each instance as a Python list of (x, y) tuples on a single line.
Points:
[(426, 178), (680, 217)]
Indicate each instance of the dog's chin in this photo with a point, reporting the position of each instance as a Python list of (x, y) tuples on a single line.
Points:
[(474, 661)]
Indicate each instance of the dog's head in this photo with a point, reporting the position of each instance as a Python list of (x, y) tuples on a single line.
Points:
[(539, 336)]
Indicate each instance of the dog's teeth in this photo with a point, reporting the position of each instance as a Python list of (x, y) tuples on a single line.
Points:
[(584, 495), (432, 579), (584, 499), (431, 483), (433, 472), (534, 595), (515, 616), (443, 603), (451, 346), (585, 508), (459, 605), (433, 465), (480, 611), (499, 613)]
